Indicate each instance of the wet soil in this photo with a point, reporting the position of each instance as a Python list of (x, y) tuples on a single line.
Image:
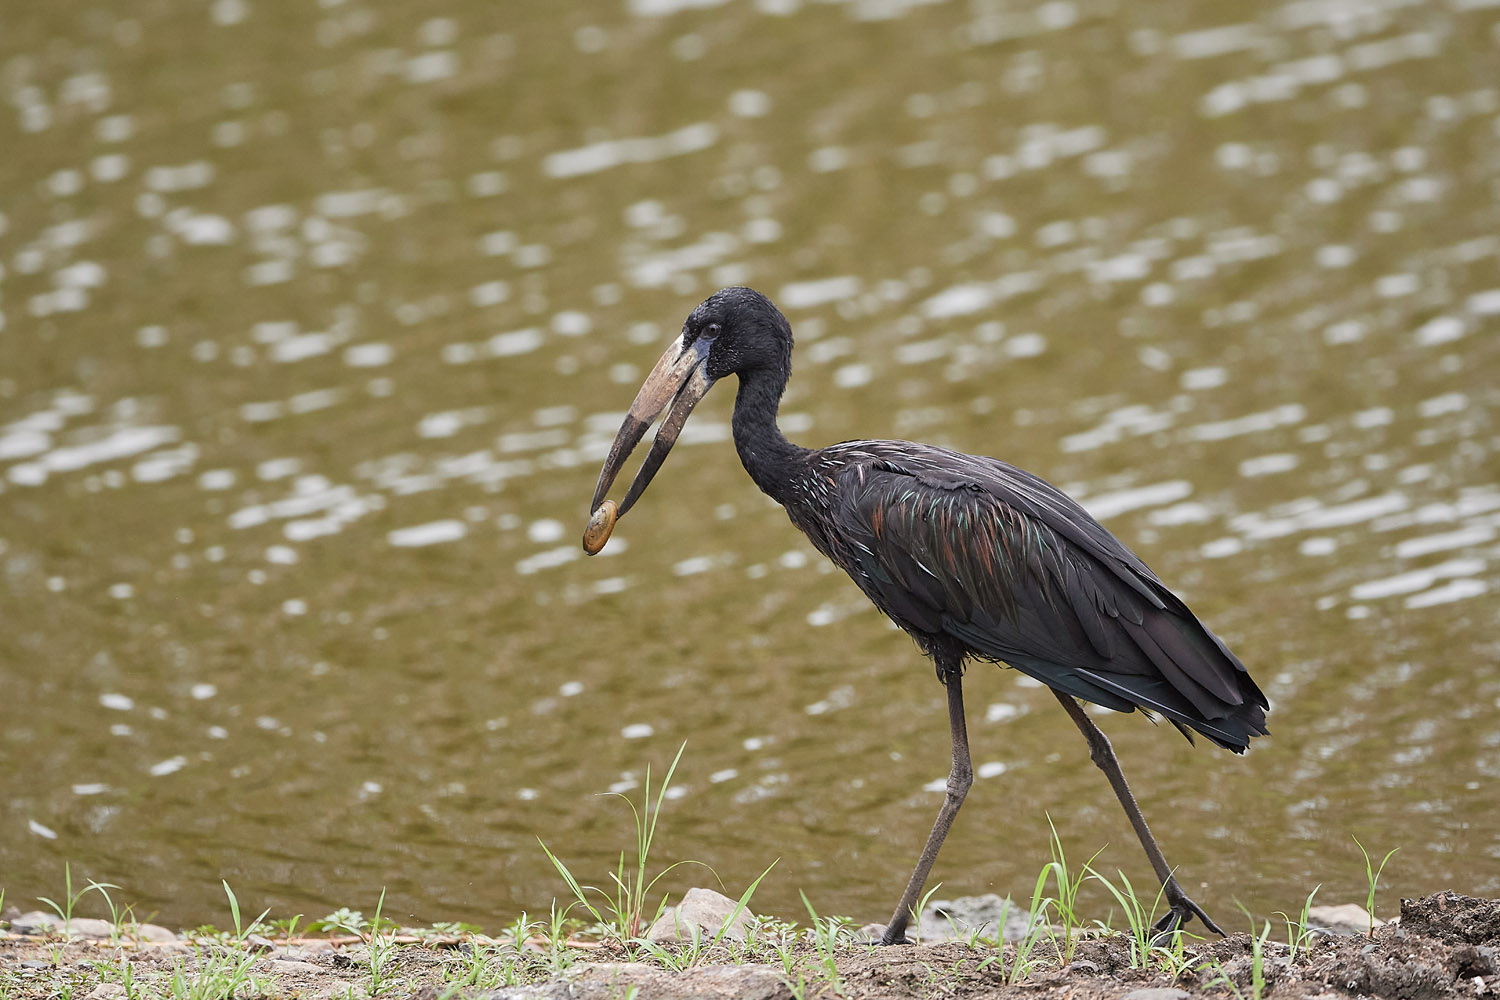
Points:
[(1444, 945)]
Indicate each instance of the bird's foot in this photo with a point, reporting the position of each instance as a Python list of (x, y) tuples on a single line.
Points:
[(894, 935), (1182, 909)]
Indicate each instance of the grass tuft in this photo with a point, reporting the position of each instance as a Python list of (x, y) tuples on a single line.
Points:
[(824, 934), (1372, 876), (71, 899), (1022, 962), (623, 914), (1299, 936), (1066, 903)]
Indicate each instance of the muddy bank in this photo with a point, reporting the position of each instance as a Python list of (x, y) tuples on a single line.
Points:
[(1445, 945)]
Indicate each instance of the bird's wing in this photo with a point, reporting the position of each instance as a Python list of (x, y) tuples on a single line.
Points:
[(1008, 564)]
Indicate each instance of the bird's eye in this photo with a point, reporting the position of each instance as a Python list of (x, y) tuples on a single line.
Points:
[(712, 330)]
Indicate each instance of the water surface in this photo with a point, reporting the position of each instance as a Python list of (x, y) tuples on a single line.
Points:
[(316, 321)]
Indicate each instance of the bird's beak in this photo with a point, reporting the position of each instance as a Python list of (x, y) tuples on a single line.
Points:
[(679, 380)]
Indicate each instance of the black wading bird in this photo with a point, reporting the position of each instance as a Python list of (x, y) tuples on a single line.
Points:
[(974, 558)]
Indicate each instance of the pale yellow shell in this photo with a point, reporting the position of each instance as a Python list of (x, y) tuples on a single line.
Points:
[(600, 525)]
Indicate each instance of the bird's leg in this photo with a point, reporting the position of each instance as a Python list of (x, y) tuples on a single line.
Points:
[(1182, 909), (960, 777)]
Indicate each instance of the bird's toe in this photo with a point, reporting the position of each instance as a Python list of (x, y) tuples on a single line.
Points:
[(1182, 911), (1163, 930)]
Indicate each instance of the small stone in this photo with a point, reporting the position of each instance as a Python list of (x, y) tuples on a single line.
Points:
[(702, 914), (256, 943), (715, 982), (1156, 993), (155, 933), (106, 991), (36, 922), (88, 927), (1346, 919), (948, 919), (288, 967), (542, 991)]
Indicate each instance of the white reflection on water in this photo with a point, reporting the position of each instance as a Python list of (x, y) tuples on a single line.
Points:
[(1414, 580), (114, 444), (431, 533), (1462, 538), (1107, 505), (1458, 590), (617, 152)]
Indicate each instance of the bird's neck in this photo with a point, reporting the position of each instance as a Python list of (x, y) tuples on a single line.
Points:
[(767, 455)]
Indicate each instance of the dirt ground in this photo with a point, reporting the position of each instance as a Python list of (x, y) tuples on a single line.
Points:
[(1445, 945)]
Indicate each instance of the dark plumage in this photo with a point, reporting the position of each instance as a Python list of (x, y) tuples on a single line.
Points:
[(974, 558), (967, 550)]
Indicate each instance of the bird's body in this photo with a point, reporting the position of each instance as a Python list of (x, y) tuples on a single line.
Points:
[(971, 556)]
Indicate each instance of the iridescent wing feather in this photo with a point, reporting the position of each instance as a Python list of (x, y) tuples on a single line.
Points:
[(1004, 562)]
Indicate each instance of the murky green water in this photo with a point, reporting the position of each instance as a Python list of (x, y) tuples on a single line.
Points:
[(318, 319)]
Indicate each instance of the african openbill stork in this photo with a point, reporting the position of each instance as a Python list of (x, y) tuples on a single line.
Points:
[(974, 558)]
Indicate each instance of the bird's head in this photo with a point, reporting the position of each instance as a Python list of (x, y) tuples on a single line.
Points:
[(734, 331), (746, 332)]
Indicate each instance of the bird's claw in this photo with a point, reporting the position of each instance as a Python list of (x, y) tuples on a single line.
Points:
[(899, 937), (1182, 910), (1164, 929)]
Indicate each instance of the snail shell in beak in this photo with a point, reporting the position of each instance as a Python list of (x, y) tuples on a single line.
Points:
[(600, 525)]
